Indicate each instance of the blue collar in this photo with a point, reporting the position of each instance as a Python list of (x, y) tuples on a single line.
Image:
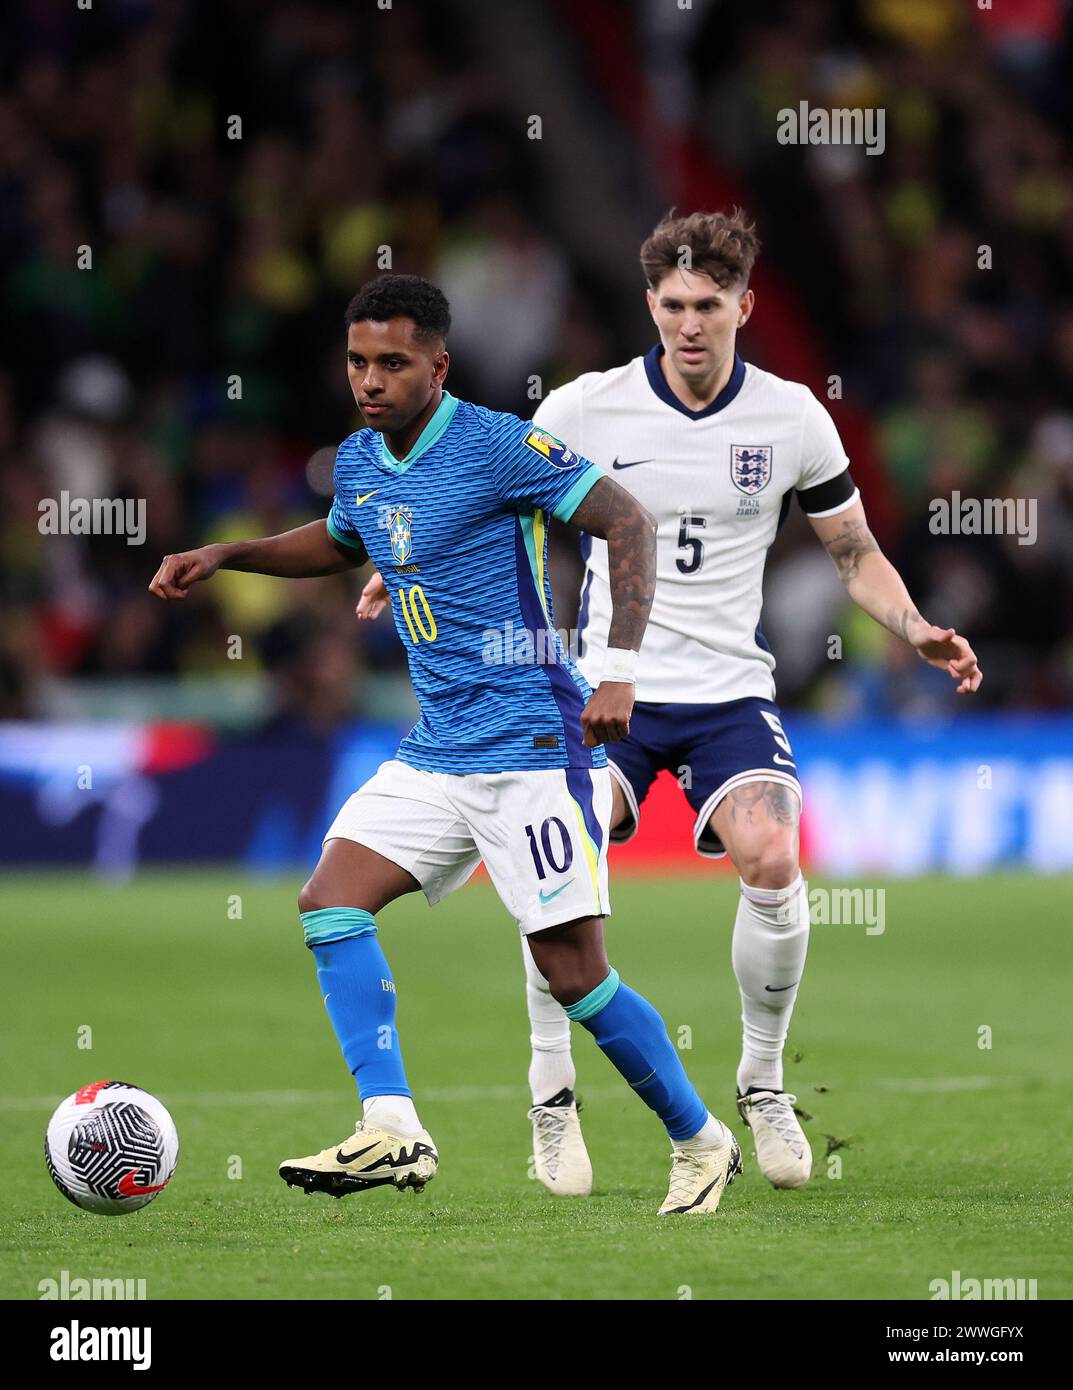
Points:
[(658, 383), (437, 422)]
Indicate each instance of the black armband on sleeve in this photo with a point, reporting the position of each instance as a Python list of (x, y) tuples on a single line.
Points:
[(824, 497)]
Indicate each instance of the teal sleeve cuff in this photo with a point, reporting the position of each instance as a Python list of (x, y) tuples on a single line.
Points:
[(570, 501), (345, 540)]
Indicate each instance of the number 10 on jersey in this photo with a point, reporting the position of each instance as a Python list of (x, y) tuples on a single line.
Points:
[(417, 614)]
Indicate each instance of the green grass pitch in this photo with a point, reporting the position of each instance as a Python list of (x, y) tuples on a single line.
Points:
[(955, 1157)]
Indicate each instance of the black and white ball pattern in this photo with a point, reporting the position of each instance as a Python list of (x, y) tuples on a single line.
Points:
[(111, 1147)]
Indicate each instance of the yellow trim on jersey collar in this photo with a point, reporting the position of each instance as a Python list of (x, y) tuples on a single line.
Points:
[(438, 422)]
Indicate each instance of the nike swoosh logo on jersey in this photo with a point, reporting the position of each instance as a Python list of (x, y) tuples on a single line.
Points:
[(341, 1157), (632, 464), (779, 989), (546, 898), (359, 499), (786, 762)]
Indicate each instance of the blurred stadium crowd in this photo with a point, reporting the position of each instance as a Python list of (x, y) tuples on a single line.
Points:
[(216, 258)]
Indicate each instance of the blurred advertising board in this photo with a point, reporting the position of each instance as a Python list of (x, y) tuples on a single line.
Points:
[(978, 793)]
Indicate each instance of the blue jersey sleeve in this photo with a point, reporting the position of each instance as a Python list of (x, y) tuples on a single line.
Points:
[(340, 529), (532, 466)]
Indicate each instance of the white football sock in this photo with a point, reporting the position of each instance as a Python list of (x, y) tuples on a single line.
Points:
[(712, 1132), (396, 1114), (768, 951), (552, 1066)]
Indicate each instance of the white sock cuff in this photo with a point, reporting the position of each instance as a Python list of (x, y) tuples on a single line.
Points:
[(396, 1114), (712, 1132), (771, 897)]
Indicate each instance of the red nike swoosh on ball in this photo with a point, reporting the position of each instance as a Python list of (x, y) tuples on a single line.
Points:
[(129, 1186)]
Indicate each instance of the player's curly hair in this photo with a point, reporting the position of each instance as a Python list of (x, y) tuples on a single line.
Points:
[(722, 245), (402, 296)]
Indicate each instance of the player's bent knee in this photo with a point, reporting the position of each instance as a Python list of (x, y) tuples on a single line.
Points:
[(572, 958), (771, 863), (569, 986), (319, 896), (309, 898)]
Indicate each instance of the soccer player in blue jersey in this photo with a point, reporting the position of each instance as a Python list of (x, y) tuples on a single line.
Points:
[(506, 764)]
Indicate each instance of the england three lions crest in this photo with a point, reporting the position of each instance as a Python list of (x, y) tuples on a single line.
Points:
[(398, 529), (750, 467)]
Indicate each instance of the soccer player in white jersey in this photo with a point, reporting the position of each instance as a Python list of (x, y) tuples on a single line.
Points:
[(715, 449)]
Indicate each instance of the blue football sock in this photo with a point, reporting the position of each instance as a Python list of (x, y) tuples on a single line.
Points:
[(359, 994), (630, 1032)]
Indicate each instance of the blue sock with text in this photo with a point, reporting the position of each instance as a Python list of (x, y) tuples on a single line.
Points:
[(631, 1034), (359, 994)]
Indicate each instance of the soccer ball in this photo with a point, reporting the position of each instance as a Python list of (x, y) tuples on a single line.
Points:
[(110, 1148)]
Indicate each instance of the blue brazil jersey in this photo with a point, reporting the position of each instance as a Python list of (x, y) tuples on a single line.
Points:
[(458, 530)]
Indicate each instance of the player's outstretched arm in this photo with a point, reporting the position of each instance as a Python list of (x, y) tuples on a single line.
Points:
[(612, 514), (876, 586), (307, 552)]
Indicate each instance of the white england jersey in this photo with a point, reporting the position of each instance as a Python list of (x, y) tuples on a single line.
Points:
[(719, 482)]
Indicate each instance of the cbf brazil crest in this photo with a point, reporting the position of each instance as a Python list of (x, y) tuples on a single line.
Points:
[(399, 531), (750, 467)]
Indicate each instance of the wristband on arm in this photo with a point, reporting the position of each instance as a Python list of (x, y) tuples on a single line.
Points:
[(620, 664)]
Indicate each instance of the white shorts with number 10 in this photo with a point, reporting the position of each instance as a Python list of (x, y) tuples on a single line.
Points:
[(542, 835)]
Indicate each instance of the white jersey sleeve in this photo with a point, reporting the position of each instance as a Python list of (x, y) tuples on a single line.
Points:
[(560, 414), (822, 458)]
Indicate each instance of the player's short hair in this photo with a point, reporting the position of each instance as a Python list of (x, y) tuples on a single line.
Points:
[(722, 245), (402, 296)]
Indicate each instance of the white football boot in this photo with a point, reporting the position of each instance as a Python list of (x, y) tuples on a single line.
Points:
[(782, 1151), (560, 1157), (699, 1177), (370, 1157)]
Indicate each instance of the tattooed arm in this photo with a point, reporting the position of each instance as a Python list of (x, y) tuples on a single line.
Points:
[(876, 586), (616, 517), (610, 513)]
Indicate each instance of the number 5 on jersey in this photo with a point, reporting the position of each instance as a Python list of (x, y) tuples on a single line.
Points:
[(417, 614)]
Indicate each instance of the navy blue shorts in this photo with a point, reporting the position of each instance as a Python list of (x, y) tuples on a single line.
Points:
[(710, 749)]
